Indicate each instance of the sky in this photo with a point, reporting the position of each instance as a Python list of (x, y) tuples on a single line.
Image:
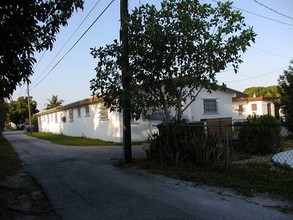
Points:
[(70, 79)]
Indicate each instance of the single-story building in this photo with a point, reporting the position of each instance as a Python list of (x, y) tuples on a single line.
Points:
[(90, 118), (245, 106)]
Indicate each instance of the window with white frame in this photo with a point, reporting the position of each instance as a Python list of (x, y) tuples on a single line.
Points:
[(56, 118), (78, 113), (104, 113), (71, 115), (157, 114), (87, 111), (210, 106)]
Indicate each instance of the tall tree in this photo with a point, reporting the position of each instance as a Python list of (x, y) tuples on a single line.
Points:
[(286, 102), (271, 91), (18, 110), (54, 102), (27, 27), (175, 51)]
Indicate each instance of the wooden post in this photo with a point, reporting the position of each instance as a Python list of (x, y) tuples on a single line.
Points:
[(29, 108), (126, 83)]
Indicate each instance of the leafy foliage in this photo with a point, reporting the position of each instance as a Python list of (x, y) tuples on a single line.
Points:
[(259, 135), (270, 91), (54, 102), (18, 110), (3, 114), (27, 27), (286, 84), (175, 52), (187, 143)]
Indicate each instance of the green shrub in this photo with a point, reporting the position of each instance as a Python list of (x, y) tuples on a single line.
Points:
[(186, 143), (260, 135)]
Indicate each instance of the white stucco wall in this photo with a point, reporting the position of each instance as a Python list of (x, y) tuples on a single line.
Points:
[(92, 126), (224, 106), (262, 108)]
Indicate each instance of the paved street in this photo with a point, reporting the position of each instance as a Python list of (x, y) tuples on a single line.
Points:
[(82, 183)]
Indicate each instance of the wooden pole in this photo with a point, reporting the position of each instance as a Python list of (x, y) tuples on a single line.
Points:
[(127, 153), (29, 108)]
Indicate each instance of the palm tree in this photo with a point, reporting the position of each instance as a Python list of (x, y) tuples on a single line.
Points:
[(54, 102)]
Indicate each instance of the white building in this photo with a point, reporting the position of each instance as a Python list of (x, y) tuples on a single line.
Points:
[(245, 106), (89, 117)]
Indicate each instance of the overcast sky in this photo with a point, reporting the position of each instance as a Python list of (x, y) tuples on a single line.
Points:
[(262, 63)]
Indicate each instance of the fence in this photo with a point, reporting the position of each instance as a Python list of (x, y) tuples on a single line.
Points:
[(224, 146)]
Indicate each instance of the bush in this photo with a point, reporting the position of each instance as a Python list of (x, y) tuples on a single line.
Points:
[(260, 135), (183, 143)]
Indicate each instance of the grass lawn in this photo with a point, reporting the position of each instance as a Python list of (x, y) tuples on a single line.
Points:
[(10, 163), (74, 141), (248, 179)]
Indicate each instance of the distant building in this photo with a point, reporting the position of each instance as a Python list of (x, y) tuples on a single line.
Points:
[(245, 106)]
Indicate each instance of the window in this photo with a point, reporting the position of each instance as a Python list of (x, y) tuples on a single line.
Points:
[(157, 114), (253, 107), (103, 112), (56, 118), (210, 106), (78, 113), (269, 107), (71, 115), (240, 110), (47, 118), (87, 111)]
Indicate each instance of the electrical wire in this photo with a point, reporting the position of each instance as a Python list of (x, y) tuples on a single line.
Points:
[(74, 44), (271, 9), (42, 56), (255, 77), (262, 16), (68, 40), (271, 53)]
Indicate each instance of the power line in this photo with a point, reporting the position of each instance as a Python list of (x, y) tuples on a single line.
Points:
[(271, 53), (271, 9), (255, 77), (68, 40), (74, 44), (33, 70), (39, 60), (262, 16)]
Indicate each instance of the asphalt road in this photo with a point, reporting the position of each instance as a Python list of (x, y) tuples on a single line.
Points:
[(82, 183)]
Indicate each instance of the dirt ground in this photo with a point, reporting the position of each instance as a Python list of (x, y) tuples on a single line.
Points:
[(21, 197)]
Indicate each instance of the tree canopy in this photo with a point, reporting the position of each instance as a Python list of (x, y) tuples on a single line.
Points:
[(18, 110), (270, 91), (174, 52), (286, 101), (27, 27), (54, 102)]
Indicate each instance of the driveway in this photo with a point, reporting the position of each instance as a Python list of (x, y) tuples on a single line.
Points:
[(82, 183)]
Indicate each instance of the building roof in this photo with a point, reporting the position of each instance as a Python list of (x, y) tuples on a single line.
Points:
[(250, 99), (80, 103)]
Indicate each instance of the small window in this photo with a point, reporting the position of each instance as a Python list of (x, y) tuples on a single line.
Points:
[(47, 118), (56, 118), (210, 106), (78, 113), (87, 111), (158, 114), (240, 110), (71, 115), (253, 107), (103, 112), (269, 107)]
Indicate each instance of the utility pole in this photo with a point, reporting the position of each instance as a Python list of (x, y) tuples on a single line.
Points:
[(29, 107), (127, 153)]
